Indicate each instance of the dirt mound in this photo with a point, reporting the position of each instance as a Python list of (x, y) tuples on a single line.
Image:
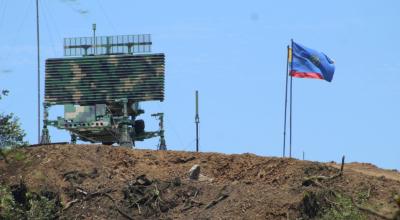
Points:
[(371, 170), (102, 182)]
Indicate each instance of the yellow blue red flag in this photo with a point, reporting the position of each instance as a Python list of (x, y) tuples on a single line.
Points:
[(309, 63)]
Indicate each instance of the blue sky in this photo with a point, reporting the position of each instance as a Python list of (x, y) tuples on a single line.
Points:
[(234, 53)]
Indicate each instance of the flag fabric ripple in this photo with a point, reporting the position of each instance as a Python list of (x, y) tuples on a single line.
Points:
[(309, 63)]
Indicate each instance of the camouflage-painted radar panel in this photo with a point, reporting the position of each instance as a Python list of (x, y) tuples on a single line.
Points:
[(104, 79)]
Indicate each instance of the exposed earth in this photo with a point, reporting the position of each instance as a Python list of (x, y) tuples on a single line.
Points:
[(104, 182)]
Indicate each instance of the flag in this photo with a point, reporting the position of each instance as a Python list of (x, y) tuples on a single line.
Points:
[(309, 63)]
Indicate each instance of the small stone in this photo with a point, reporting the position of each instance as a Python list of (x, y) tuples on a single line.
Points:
[(261, 174), (194, 172), (177, 181)]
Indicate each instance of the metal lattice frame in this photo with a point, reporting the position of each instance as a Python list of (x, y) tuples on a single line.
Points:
[(104, 45)]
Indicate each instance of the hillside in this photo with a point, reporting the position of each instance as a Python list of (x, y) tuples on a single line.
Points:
[(104, 182)]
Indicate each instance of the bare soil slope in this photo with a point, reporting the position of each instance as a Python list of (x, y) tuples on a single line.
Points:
[(104, 182), (371, 170)]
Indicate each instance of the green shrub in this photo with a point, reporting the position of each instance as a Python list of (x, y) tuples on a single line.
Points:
[(31, 206), (42, 208), (11, 133), (329, 205), (9, 209), (342, 208)]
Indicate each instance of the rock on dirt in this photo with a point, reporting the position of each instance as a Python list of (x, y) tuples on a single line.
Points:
[(194, 172)]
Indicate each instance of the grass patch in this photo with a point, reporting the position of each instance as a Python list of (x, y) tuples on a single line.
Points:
[(19, 155), (13, 154), (342, 208), (38, 175), (329, 205)]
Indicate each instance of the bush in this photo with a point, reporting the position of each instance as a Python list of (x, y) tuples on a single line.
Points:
[(343, 209), (42, 208), (9, 209), (329, 205), (18, 203)]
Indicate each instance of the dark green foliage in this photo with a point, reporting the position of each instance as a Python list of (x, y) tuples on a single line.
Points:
[(9, 209), (42, 208), (342, 208), (16, 202), (329, 205), (314, 204), (11, 133)]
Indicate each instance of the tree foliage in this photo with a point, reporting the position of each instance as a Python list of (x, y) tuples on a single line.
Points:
[(11, 133)]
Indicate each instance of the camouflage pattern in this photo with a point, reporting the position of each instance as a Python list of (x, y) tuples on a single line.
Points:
[(104, 123), (101, 93), (90, 123), (103, 79), (84, 116), (79, 113)]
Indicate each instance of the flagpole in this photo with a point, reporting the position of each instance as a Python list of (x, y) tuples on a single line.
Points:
[(290, 116), (290, 106), (286, 93)]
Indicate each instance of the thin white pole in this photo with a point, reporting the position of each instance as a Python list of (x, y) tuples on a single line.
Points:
[(197, 121), (38, 66), (286, 97)]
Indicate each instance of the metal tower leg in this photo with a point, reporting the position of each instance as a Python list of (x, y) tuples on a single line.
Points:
[(45, 138), (162, 145), (125, 138), (73, 138)]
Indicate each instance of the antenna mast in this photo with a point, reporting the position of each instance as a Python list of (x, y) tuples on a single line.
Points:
[(94, 39), (38, 66)]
